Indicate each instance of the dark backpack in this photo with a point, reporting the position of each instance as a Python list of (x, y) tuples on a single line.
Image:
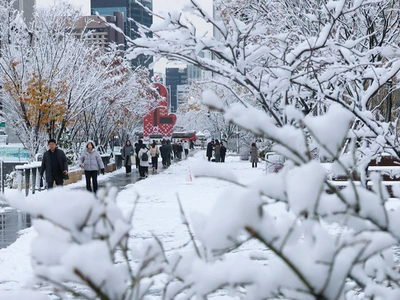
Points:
[(145, 157)]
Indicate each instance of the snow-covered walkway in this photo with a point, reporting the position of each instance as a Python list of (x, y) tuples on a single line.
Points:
[(157, 211)]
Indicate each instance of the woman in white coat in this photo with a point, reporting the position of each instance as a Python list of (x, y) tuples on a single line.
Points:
[(144, 163), (91, 162)]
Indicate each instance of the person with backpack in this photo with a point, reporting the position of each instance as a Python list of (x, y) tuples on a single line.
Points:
[(144, 161), (138, 146)]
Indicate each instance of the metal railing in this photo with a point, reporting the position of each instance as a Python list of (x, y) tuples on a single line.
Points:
[(30, 171)]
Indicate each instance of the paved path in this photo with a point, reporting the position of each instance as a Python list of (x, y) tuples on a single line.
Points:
[(121, 179), (12, 221)]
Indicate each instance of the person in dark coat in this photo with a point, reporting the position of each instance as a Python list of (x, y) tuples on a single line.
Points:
[(217, 151), (126, 152), (222, 152), (54, 164), (179, 150), (165, 153), (210, 148), (169, 147), (254, 155), (175, 149), (138, 146)]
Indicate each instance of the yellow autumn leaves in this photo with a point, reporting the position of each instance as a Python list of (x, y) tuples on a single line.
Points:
[(41, 100)]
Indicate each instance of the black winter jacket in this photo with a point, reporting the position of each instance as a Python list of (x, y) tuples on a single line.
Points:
[(46, 165)]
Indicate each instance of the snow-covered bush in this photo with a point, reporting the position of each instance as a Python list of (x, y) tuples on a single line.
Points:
[(316, 71), (10, 179), (319, 72), (82, 246)]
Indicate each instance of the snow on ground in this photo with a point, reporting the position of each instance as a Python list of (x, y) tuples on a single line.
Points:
[(157, 211)]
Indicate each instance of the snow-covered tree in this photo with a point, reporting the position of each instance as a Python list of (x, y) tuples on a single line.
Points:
[(314, 74), (57, 85), (194, 115), (37, 65), (315, 69)]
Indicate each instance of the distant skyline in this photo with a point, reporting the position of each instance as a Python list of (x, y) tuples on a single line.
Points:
[(158, 6)]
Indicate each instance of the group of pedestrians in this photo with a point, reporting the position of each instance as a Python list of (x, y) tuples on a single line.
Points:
[(217, 149), (139, 154), (179, 147), (55, 165)]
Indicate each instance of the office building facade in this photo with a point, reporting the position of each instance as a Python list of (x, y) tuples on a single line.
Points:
[(174, 78), (130, 10), (101, 35), (27, 8)]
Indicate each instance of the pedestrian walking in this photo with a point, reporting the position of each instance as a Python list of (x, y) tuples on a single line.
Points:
[(223, 152), (169, 149), (91, 163), (144, 161), (186, 148), (128, 153), (175, 149), (138, 146), (254, 155), (164, 153), (54, 165), (217, 151), (210, 148), (179, 150), (154, 153)]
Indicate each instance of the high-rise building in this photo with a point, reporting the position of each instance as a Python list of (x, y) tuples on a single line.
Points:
[(131, 10), (26, 7), (182, 93), (175, 77), (102, 34)]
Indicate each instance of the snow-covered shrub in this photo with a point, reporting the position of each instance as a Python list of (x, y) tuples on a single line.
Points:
[(10, 179), (82, 246), (316, 71), (322, 75)]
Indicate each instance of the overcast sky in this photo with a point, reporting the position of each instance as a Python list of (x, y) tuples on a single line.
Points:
[(83, 4)]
